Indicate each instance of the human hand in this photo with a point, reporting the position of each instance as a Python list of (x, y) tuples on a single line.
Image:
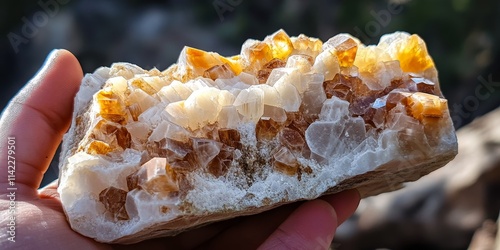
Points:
[(38, 117)]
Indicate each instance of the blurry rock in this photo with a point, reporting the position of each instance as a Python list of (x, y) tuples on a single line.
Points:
[(441, 210)]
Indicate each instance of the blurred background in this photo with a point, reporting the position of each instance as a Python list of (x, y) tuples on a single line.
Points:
[(461, 36)]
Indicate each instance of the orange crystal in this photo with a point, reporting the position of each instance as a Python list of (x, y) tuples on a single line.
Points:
[(426, 105), (345, 48), (111, 107), (412, 55)]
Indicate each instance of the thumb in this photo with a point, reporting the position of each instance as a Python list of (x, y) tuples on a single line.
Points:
[(36, 119)]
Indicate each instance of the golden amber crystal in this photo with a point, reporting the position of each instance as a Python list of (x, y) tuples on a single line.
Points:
[(345, 48), (281, 45), (257, 54), (110, 105), (412, 55), (98, 147), (426, 105), (202, 60), (309, 46)]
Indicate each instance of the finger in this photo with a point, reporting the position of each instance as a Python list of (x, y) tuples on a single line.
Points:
[(345, 203), (311, 226), (37, 118), (251, 231), (238, 233), (50, 191), (188, 240)]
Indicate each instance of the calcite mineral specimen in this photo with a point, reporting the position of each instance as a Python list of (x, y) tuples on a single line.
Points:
[(153, 153)]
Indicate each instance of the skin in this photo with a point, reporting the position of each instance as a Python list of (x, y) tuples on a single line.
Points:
[(40, 114)]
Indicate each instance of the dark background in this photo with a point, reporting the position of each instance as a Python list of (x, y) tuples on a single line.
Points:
[(461, 35)]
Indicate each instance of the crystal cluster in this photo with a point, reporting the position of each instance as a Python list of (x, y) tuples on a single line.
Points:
[(288, 117)]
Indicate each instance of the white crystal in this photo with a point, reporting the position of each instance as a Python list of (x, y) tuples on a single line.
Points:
[(326, 63), (159, 132), (229, 117), (271, 95), (138, 130), (142, 98), (354, 132), (304, 45), (290, 96), (199, 83), (226, 83), (155, 82), (118, 85), (152, 116), (389, 39), (338, 39), (277, 74), (178, 114), (174, 92), (202, 107), (126, 70), (225, 98), (314, 96), (323, 139), (299, 62), (248, 78), (177, 133), (250, 103), (389, 71), (334, 110), (175, 151)]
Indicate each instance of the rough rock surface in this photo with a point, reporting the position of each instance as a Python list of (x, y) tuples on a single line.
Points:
[(153, 153)]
